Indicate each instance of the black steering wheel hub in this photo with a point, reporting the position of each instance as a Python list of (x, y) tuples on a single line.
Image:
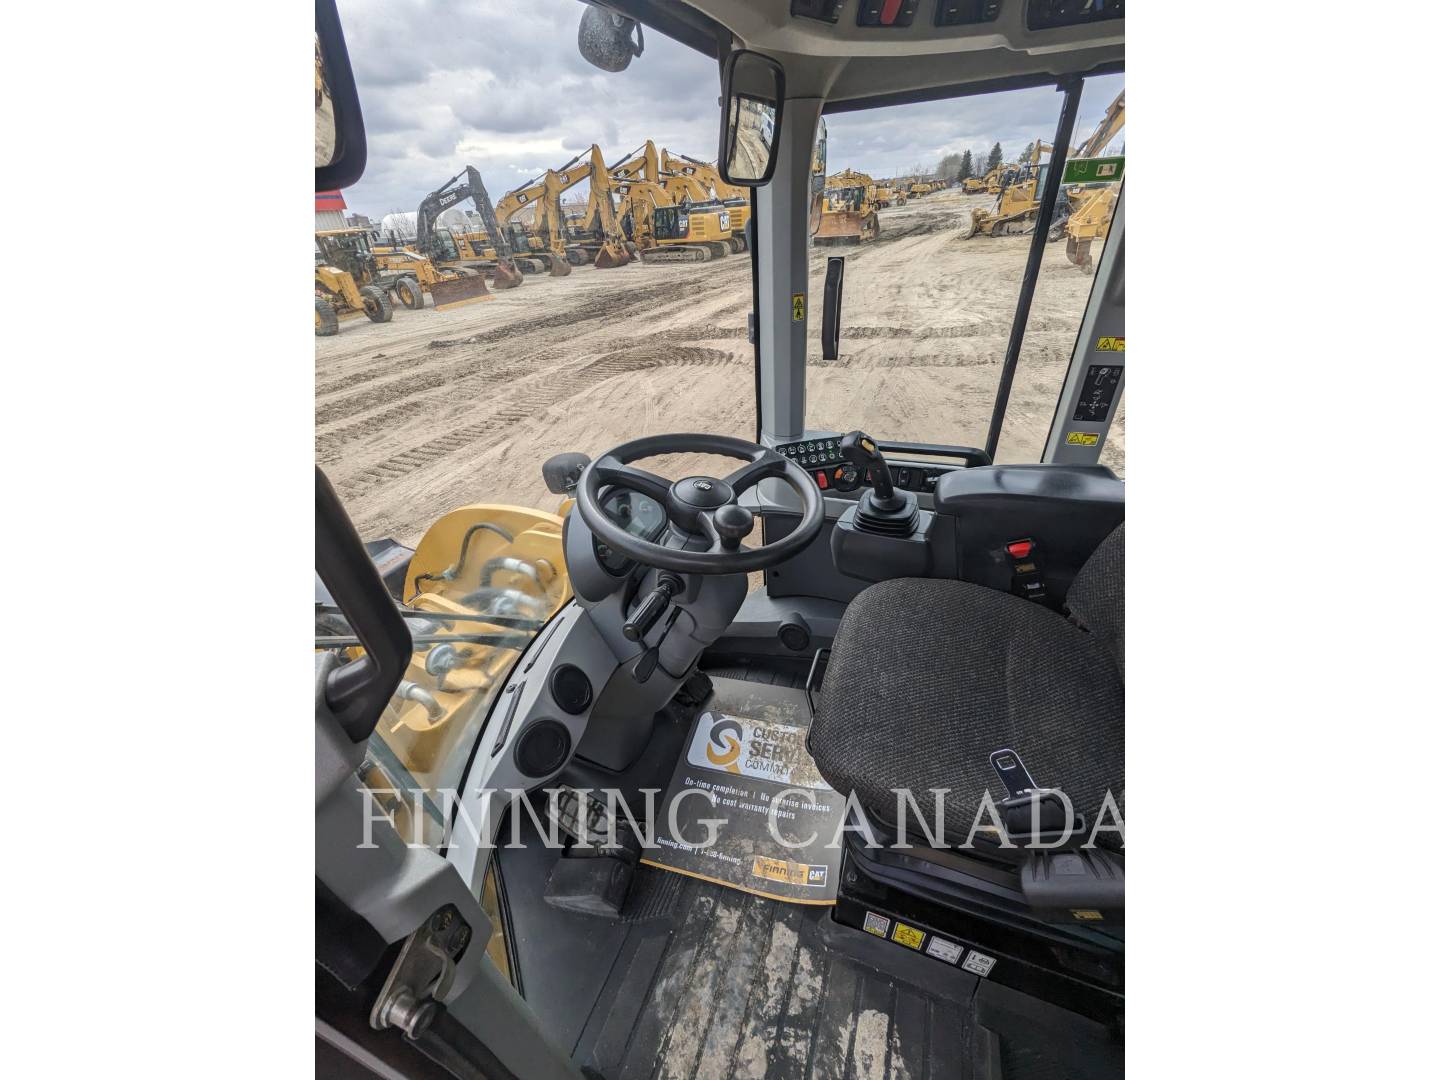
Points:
[(705, 511)]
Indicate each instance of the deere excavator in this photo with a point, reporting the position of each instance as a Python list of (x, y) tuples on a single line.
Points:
[(347, 280), (848, 214), (471, 264), (1093, 205)]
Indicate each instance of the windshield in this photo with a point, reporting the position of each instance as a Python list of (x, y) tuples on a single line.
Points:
[(935, 240), (437, 408)]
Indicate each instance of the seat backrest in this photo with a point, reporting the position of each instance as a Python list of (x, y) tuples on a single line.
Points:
[(1097, 596)]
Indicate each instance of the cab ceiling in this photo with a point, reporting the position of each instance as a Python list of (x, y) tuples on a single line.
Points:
[(845, 62)]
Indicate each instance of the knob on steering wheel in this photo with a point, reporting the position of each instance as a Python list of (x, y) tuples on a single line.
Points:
[(706, 519)]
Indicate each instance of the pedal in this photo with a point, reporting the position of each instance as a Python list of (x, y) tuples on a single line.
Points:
[(693, 693), (594, 885)]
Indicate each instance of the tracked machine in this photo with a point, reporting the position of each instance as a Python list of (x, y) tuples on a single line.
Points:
[(472, 266), (848, 215)]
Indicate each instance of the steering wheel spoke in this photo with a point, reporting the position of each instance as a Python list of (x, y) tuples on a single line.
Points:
[(609, 471), (765, 463)]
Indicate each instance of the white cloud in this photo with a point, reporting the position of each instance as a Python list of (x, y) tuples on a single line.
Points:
[(502, 86)]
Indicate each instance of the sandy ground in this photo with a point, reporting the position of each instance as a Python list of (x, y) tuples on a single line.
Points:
[(437, 409)]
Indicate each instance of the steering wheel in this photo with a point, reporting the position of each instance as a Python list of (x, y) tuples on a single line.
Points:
[(703, 506)]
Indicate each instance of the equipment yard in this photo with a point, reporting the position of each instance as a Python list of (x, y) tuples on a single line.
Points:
[(437, 409)]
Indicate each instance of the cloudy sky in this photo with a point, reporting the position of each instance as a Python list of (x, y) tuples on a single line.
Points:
[(501, 85)]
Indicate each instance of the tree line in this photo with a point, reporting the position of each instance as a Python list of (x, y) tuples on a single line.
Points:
[(957, 167)]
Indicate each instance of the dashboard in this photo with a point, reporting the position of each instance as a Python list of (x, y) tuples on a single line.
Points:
[(820, 457), (635, 512)]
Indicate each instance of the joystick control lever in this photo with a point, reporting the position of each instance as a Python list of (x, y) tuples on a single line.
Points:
[(860, 450)]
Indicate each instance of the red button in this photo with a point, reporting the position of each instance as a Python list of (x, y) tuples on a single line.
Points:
[(888, 10), (1020, 549), (820, 479)]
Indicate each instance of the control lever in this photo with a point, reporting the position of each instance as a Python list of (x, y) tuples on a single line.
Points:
[(860, 450), (645, 666), (648, 613)]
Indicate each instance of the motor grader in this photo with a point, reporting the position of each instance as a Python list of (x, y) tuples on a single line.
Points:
[(848, 214), (348, 281)]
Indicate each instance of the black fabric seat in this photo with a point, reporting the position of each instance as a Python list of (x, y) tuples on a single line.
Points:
[(928, 677)]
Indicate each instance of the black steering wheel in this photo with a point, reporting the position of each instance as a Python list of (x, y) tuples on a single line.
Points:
[(704, 507)]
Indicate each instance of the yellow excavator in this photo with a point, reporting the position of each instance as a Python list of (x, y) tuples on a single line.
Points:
[(848, 214), (1092, 206), (544, 241), (602, 243), (662, 229), (712, 188), (990, 183)]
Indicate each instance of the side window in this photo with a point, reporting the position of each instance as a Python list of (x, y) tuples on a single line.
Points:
[(933, 206)]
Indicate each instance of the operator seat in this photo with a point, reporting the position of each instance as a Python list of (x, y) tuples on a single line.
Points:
[(927, 678)]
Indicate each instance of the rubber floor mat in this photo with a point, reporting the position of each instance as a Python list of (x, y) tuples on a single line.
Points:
[(746, 987), (750, 810)]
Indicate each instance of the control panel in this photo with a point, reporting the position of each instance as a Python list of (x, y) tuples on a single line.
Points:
[(821, 458)]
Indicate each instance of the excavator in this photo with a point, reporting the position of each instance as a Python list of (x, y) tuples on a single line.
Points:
[(990, 183), (848, 215), (715, 189), (605, 245), (439, 245), (663, 230), (545, 240), (1093, 205)]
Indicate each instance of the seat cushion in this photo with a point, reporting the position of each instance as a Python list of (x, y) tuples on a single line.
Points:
[(928, 677), (1097, 595)]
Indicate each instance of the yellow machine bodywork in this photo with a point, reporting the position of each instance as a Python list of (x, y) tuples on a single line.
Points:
[(348, 290), (664, 231), (712, 186), (475, 561), (1018, 203), (848, 214), (449, 287), (1094, 206)]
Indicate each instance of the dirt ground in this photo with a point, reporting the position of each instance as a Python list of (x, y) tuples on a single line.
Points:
[(434, 410)]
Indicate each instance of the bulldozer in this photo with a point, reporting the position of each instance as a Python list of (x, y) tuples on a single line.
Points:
[(471, 264), (1093, 205), (848, 214), (990, 183), (1018, 203)]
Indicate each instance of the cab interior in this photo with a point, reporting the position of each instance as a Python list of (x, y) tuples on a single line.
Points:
[(931, 619)]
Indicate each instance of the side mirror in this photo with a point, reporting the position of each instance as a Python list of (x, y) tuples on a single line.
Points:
[(339, 126), (753, 99)]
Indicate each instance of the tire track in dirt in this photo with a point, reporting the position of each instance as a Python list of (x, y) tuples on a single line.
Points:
[(531, 401)]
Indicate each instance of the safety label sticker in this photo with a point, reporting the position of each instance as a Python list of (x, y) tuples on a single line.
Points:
[(791, 873), (909, 936), (1110, 344), (944, 950), (1081, 438), (878, 925), (797, 304), (978, 963), (756, 749)]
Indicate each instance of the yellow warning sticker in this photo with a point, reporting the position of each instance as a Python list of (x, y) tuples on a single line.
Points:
[(791, 873), (797, 305), (1110, 344), (1087, 915), (1081, 438), (908, 936)]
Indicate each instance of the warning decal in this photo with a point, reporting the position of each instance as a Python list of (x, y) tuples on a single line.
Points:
[(797, 304), (1081, 438), (944, 950), (909, 936), (978, 963), (878, 925), (1110, 344)]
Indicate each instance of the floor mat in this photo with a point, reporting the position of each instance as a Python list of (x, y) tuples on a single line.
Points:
[(742, 986), (749, 809)]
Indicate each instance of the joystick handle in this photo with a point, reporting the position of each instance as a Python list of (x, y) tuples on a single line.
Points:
[(860, 450)]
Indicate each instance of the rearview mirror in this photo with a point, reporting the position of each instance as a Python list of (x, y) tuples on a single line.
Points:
[(339, 127), (753, 99)]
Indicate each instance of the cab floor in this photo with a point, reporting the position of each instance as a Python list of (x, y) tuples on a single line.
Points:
[(697, 980)]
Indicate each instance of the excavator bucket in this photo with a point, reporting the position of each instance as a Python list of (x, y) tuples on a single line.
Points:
[(506, 275), (559, 267), (463, 289), (609, 255)]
